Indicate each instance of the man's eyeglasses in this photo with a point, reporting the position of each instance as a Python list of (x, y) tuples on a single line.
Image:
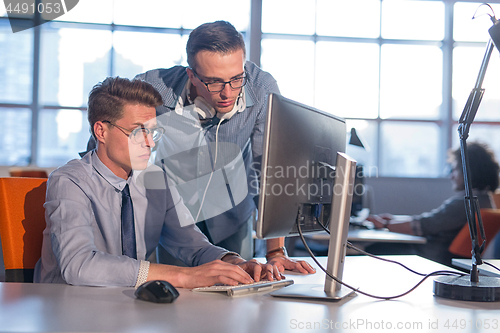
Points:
[(218, 86), (140, 134)]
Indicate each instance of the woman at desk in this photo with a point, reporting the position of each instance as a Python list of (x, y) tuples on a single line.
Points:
[(441, 225)]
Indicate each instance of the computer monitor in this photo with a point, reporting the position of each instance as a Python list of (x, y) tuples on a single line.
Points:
[(306, 177)]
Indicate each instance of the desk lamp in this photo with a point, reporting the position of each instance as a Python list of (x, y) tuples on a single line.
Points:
[(472, 287)]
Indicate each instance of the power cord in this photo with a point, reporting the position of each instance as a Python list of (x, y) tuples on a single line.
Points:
[(426, 276), (352, 247), (491, 265)]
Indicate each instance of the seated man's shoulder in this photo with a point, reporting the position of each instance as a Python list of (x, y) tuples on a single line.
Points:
[(75, 170)]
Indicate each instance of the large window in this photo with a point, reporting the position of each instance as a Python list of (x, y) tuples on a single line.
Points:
[(47, 73), (399, 71)]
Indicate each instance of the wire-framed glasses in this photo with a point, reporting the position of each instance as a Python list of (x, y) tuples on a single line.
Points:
[(140, 134)]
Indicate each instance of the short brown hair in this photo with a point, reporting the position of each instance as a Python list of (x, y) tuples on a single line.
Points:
[(483, 167), (107, 98), (218, 36)]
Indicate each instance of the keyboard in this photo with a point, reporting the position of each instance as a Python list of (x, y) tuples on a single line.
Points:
[(242, 289)]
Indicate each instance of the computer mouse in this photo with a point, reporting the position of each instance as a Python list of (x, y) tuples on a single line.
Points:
[(157, 291)]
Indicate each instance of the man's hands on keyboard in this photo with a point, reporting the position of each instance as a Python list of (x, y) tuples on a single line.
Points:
[(255, 269), (261, 271)]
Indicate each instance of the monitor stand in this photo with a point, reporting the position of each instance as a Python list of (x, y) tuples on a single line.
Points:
[(339, 227)]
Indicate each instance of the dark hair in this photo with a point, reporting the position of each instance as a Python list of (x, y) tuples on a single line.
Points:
[(218, 36), (107, 98), (483, 167)]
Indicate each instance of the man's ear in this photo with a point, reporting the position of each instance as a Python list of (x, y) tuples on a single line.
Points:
[(99, 130), (190, 73)]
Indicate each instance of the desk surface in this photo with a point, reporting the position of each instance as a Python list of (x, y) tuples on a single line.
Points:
[(374, 236), (483, 269), (47, 307)]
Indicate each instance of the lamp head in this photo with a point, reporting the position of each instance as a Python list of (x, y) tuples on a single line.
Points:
[(494, 32)]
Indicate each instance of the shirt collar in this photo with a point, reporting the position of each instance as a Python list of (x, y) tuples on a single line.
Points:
[(107, 174)]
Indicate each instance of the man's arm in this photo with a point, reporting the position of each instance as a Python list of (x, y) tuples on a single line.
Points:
[(71, 221), (231, 270)]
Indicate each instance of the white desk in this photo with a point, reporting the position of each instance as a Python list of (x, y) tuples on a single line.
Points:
[(366, 235), (374, 236), (38, 307), (363, 237), (483, 269)]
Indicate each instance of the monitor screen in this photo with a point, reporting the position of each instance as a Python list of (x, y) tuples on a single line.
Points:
[(297, 174)]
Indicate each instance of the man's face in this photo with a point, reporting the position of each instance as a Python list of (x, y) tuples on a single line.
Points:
[(121, 152), (213, 67)]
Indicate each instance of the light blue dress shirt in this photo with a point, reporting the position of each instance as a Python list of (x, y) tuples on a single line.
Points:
[(185, 153), (82, 240)]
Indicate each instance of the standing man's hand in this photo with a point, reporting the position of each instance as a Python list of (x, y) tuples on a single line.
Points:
[(284, 262)]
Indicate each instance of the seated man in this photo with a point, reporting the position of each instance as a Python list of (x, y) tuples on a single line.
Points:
[(441, 225), (107, 212)]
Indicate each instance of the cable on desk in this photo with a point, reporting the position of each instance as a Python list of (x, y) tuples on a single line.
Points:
[(425, 276), (352, 247), (491, 265)]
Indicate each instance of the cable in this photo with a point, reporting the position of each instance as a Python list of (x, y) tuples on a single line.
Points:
[(491, 265), (436, 273), (351, 246), (213, 169), (492, 17)]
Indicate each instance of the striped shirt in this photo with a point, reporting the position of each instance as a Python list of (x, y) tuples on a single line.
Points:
[(187, 153)]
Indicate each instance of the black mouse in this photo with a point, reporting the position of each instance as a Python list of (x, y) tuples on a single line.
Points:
[(157, 291)]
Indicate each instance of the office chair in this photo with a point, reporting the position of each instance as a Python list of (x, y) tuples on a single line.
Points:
[(462, 246), (24, 172), (495, 197), (22, 221)]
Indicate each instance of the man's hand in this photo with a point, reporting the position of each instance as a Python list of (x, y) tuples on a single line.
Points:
[(211, 273), (380, 221), (284, 262), (256, 269)]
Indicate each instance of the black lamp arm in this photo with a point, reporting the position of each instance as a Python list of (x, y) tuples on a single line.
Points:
[(471, 203)]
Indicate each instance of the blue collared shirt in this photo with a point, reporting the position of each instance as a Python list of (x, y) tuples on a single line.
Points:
[(82, 240), (187, 149)]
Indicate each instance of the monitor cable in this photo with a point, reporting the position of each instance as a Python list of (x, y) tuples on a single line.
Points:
[(425, 276), (491, 265)]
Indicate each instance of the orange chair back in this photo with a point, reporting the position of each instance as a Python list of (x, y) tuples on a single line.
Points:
[(462, 246), (22, 172), (22, 221)]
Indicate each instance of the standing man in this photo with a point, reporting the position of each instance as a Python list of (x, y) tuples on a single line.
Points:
[(107, 212), (214, 112)]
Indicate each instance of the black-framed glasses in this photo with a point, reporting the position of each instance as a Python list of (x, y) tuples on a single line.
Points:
[(140, 134), (218, 86)]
